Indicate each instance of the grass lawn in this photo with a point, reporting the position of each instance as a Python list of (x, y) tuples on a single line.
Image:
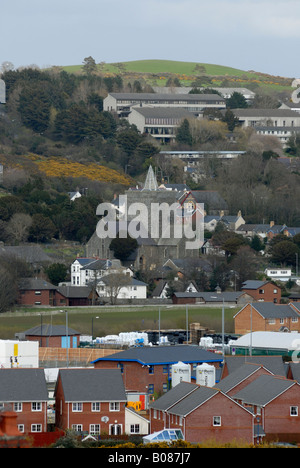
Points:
[(114, 320)]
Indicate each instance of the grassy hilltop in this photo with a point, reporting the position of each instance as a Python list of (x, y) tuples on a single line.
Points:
[(157, 73)]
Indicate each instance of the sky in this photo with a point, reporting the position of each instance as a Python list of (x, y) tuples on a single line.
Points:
[(260, 35)]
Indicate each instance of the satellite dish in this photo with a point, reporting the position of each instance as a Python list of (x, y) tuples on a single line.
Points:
[(105, 419)]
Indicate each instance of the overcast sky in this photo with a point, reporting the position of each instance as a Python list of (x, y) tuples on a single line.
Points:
[(260, 35)]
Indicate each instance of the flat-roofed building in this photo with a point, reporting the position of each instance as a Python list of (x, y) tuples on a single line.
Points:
[(122, 103)]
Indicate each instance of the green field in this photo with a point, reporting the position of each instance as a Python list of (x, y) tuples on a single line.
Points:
[(114, 320)]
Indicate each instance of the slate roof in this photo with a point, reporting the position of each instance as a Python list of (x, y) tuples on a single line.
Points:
[(22, 385), (212, 297), (193, 401), (173, 396), (274, 364), (270, 310), (35, 284), (89, 385), (50, 330), (238, 376), (253, 284), (164, 355), (263, 390), (75, 292)]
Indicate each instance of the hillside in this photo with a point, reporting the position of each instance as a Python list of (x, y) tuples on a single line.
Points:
[(157, 72)]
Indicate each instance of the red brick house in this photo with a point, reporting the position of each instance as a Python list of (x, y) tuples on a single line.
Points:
[(36, 291), (90, 400), (25, 392), (203, 414), (148, 370), (275, 403), (262, 291), (266, 316)]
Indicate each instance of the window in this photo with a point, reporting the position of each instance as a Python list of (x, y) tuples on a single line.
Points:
[(134, 428), (261, 291), (95, 429), (38, 293), (151, 369), (114, 406), (21, 428), (96, 406), (150, 389), (36, 428), (294, 411), (36, 406), (76, 407), (18, 407), (77, 427), (216, 420)]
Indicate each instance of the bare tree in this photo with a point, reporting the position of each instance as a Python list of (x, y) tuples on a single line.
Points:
[(114, 283), (18, 227)]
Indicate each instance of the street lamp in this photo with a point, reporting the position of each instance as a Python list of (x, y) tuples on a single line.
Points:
[(93, 328)]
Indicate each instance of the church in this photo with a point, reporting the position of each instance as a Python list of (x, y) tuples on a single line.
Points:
[(154, 245)]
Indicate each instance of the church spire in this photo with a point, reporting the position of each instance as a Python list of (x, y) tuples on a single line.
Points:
[(150, 183)]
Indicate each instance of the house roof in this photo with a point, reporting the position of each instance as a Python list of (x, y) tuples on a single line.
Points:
[(237, 376), (263, 390), (50, 330), (103, 385), (270, 310), (212, 297), (156, 355), (173, 396), (272, 363), (23, 385), (130, 281), (193, 400), (253, 284), (75, 292), (35, 284)]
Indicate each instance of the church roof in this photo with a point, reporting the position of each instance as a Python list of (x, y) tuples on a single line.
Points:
[(151, 182)]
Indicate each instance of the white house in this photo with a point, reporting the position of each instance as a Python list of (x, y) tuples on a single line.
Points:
[(87, 270), (130, 289), (74, 195), (280, 274)]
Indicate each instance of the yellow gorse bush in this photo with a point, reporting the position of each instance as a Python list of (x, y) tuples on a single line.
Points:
[(93, 171)]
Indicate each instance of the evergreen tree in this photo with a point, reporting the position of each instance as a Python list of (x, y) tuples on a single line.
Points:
[(184, 135)]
